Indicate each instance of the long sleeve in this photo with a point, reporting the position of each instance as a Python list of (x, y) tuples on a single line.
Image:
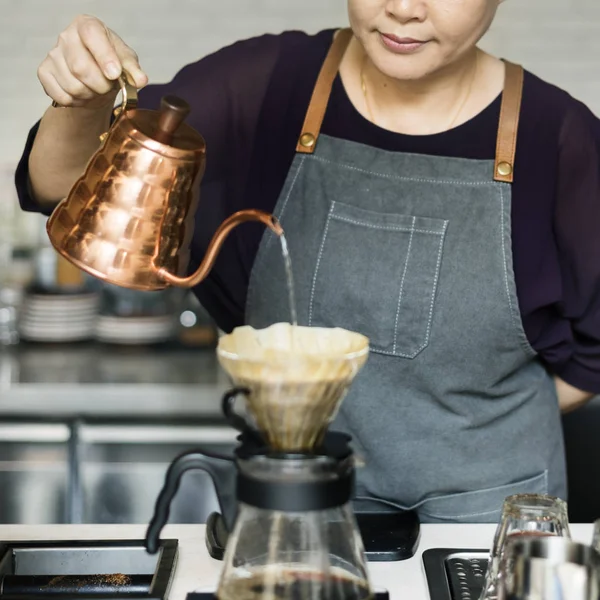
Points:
[(577, 231)]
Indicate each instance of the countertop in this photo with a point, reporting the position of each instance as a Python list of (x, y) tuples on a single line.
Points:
[(197, 571)]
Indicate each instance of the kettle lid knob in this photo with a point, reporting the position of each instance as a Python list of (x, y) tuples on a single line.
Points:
[(173, 112)]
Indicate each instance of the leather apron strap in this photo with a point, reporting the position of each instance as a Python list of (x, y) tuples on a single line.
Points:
[(322, 91), (506, 143)]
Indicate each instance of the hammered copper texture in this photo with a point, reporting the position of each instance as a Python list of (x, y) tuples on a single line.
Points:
[(129, 219)]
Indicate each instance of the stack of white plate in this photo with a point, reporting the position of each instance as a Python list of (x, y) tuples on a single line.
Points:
[(58, 317), (135, 330)]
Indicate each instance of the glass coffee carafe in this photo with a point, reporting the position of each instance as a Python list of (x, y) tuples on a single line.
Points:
[(286, 493), (294, 543)]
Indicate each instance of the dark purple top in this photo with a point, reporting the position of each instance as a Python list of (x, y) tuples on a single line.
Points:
[(249, 101)]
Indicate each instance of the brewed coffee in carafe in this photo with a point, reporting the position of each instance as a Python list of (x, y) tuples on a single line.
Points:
[(294, 547)]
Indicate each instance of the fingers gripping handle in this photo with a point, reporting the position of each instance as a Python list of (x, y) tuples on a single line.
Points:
[(129, 94)]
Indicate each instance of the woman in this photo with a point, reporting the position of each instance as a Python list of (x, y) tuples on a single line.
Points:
[(434, 197)]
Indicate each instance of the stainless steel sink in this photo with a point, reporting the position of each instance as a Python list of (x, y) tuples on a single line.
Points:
[(86, 569), (95, 473)]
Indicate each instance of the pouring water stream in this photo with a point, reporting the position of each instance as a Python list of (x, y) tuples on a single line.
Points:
[(289, 279)]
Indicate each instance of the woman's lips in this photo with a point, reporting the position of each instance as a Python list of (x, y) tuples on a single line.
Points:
[(401, 45)]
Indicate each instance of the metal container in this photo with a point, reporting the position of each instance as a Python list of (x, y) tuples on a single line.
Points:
[(550, 568), (129, 219)]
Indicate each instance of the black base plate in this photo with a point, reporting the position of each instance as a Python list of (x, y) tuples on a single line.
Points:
[(387, 537)]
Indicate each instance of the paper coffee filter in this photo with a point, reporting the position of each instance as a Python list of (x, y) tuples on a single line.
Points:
[(284, 351), (297, 377)]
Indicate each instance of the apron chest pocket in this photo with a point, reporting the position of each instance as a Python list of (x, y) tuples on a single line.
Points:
[(377, 274)]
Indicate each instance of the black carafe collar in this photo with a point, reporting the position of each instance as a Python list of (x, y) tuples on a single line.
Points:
[(295, 494), (335, 445)]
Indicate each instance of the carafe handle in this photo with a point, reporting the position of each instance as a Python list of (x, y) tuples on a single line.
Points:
[(235, 420), (221, 470), (217, 241)]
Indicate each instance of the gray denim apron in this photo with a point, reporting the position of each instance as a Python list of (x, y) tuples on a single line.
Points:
[(453, 411)]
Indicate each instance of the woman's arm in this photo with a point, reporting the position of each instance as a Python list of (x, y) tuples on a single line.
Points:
[(65, 141), (576, 229), (225, 91)]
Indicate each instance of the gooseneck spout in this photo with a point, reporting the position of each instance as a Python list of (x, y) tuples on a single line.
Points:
[(214, 247)]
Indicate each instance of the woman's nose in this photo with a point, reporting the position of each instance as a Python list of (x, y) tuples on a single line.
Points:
[(405, 11)]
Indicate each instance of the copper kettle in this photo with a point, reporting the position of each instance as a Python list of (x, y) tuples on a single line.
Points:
[(129, 218)]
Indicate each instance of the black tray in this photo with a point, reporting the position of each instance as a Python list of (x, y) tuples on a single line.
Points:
[(84, 569), (455, 574)]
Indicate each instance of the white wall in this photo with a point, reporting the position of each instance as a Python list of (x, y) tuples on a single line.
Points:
[(556, 39)]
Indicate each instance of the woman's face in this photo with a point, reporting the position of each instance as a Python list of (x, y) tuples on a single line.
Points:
[(411, 39)]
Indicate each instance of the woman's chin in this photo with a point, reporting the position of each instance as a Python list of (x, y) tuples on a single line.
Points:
[(406, 69)]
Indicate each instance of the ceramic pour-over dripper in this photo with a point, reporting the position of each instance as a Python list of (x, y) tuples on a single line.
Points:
[(296, 378)]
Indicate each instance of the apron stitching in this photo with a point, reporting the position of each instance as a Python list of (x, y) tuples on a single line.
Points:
[(435, 283), (314, 283), (422, 504), (292, 187), (430, 320), (474, 514), (400, 354), (382, 501), (504, 253), (412, 230), (514, 316), (401, 294), (474, 493), (284, 205), (386, 227), (401, 178)]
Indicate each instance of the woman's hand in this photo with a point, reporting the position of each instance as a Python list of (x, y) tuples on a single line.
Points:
[(80, 71), (570, 398), (82, 68)]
